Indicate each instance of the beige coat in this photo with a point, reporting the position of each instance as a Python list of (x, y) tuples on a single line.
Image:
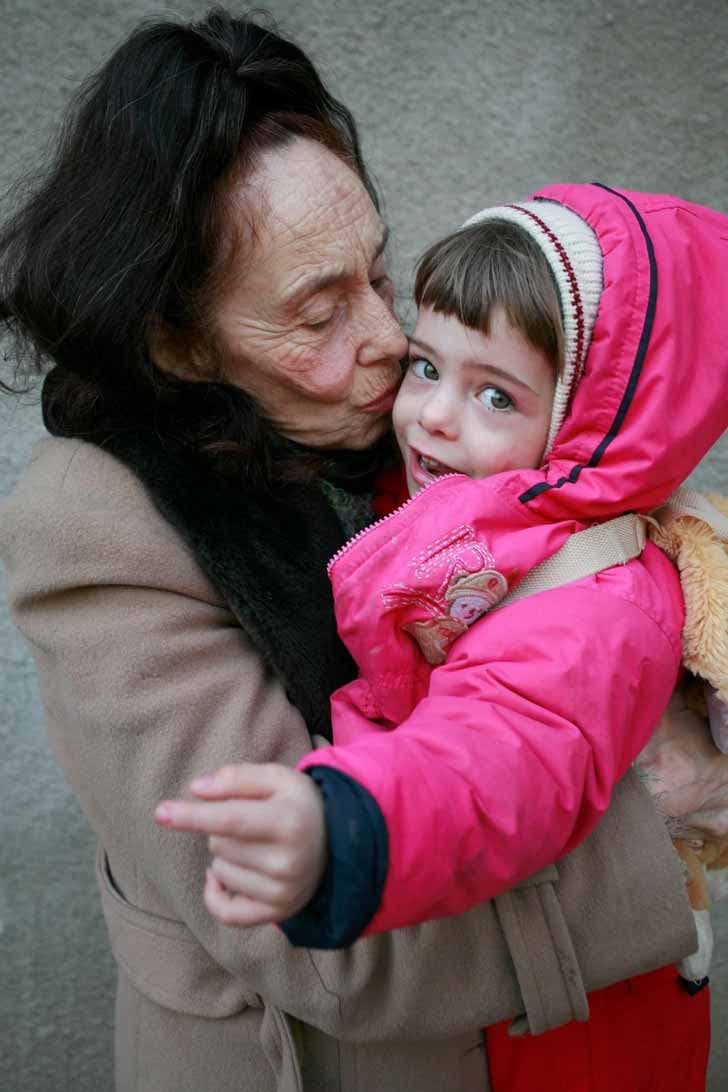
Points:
[(147, 680)]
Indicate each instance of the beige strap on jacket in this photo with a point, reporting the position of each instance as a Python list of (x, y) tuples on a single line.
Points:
[(583, 554), (688, 502)]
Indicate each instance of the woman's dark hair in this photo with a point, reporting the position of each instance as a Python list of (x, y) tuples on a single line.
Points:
[(494, 264), (123, 235)]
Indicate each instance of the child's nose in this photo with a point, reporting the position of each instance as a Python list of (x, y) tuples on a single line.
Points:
[(438, 414)]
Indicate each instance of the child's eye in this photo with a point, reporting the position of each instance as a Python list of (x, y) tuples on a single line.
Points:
[(423, 369), (493, 398)]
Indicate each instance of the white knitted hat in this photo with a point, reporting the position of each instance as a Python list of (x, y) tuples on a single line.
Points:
[(573, 252)]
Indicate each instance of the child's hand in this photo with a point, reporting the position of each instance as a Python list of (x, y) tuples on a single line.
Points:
[(267, 837)]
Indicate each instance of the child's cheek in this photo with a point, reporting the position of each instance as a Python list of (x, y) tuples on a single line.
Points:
[(401, 412)]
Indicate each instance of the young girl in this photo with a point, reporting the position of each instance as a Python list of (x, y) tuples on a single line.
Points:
[(564, 370)]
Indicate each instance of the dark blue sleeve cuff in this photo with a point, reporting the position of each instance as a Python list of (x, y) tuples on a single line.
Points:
[(351, 890)]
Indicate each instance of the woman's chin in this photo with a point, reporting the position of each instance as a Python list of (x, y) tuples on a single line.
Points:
[(374, 431), (357, 435)]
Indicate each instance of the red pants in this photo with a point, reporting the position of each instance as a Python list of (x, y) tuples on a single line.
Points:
[(644, 1035)]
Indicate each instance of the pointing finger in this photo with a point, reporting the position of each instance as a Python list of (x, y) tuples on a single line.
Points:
[(233, 818), (243, 779)]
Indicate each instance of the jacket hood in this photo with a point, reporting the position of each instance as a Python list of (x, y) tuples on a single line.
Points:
[(652, 398)]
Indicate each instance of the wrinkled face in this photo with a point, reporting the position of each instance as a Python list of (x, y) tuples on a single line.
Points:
[(470, 403), (307, 327)]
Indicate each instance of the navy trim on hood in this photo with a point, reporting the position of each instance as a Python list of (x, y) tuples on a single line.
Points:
[(543, 487)]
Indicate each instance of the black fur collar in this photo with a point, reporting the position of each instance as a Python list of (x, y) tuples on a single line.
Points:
[(266, 553)]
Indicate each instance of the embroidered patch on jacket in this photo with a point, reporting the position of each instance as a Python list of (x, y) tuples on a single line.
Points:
[(467, 585)]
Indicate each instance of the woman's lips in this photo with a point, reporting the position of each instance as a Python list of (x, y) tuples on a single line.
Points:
[(383, 402)]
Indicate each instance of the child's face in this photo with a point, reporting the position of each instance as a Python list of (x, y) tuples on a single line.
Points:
[(469, 403)]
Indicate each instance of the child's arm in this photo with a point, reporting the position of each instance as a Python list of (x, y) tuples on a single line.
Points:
[(511, 758), (267, 839)]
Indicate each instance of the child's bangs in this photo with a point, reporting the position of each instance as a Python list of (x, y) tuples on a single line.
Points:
[(488, 265)]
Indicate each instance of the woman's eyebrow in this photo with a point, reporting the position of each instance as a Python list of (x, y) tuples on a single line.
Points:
[(312, 283), (322, 279)]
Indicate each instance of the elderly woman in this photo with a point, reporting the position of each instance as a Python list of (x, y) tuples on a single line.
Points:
[(204, 269)]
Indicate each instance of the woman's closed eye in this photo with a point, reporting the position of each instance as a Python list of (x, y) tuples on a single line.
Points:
[(422, 368), (496, 400), (319, 323), (382, 285), (323, 316)]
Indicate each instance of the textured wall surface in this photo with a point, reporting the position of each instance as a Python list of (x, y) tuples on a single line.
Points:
[(460, 104)]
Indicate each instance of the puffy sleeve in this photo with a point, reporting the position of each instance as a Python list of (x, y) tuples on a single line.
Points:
[(511, 758)]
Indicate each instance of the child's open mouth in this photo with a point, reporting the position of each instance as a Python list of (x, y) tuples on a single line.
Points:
[(433, 467), (424, 468)]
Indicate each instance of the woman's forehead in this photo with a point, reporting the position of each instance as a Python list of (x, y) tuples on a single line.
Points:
[(313, 210)]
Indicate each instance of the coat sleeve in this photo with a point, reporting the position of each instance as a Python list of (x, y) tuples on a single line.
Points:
[(147, 681), (511, 758)]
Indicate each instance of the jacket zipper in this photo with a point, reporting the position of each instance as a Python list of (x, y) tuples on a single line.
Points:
[(350, 543)]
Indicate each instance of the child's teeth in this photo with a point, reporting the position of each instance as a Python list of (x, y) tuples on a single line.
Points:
[(431, 465)]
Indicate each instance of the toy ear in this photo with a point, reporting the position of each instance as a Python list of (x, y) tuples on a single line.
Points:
[(699, 553), (703, 565)]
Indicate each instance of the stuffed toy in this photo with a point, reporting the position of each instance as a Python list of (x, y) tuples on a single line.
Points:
[(692, 530)]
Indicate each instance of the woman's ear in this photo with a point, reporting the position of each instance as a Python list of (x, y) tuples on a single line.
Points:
[(176, 354)]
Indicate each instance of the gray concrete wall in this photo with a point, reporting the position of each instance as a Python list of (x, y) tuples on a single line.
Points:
[(460, 104)]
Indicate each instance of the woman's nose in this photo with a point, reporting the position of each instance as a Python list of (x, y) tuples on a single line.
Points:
[(438, 414), (383, 340)]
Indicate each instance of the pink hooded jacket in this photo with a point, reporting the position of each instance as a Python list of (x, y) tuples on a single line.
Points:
[(505, 754)]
